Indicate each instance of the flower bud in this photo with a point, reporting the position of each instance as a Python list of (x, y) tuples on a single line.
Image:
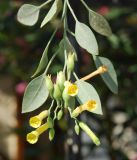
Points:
[(51, 134), (49, 84), (89, 133), (77, 129), (60, 114), (70, 62), (65, 97), (50, 122), (57, 92), (60, 80)]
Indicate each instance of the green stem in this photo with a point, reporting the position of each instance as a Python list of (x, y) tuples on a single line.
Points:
[(69, 109), (71, 10), (72, 33), (68, 75), (52, 103), (75, 76), (63, 14), (65, 65), (64, 9), (86, 6), (51, 60), (45, 3), (53, 34), (55, 112), (65, 33)]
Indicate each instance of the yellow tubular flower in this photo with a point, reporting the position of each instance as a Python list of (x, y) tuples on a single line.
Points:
[(89, 106), (72, 89), (33, 136), (36, 121), (77, 111)]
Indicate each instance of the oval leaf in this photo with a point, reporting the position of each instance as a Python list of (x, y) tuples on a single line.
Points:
[(87, 92), (109, 77), (54, 10), (86, 38), (43, 61), (35, 95), (28, 14), (99, 23)]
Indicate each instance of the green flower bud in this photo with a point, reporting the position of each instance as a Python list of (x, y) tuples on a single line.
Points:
[(90, 133), (60, 114), (49, 84), (60, 80), (50, 122), (70, 62), (51, 134), (57, 92), (66, 97), (77, 129)]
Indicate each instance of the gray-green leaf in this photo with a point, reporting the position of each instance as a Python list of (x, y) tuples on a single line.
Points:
[(43, 61), (109, 77), (35, 95), (87, 92), (99, 23), (86, 38), (28, 14), (54, 10)]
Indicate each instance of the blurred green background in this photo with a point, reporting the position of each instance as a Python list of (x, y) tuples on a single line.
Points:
[(20, 50)]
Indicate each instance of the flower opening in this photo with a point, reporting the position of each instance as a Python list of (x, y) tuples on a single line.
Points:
[(102, 69), (72, 89), (32, 137), (36, 121), (90, 105)]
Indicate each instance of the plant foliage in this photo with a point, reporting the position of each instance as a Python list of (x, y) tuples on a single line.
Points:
[(63, 93)]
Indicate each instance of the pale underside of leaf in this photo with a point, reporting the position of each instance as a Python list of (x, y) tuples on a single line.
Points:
[(35, 95), (28, 14), (86, 38), (87, 92), (110, 77), (99, 24), (54, 10)]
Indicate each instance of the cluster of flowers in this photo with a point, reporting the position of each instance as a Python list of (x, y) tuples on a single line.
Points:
[(61, 92)]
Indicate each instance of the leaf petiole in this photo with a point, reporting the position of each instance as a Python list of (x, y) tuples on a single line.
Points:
[(72, 12), (86, 6), (51, 60), (44, 4), (72, 33)]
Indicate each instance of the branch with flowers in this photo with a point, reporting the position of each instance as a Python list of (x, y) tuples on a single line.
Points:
[(64, 93)]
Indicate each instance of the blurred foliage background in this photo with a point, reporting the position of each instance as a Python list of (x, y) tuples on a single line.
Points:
[(20, 50)]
